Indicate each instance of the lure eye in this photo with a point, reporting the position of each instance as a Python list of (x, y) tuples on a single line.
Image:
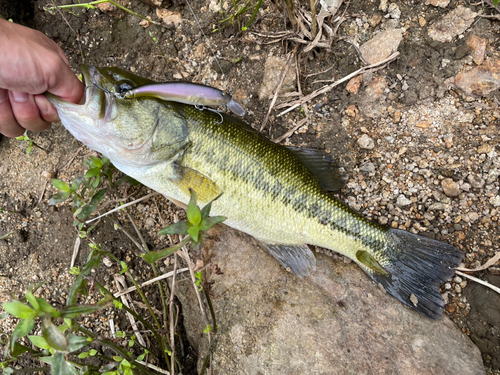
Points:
[(124, 87)]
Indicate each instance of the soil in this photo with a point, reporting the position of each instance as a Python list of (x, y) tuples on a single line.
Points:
[(43, 237)]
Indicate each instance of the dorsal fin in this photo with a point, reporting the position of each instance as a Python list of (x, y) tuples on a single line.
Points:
[(322, 166)]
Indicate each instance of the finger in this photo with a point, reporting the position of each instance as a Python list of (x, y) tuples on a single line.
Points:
[(67, 86), (47, 110), (26, 111), (8, 124)]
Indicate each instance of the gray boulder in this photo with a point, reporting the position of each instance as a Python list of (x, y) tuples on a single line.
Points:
[(336, 321)]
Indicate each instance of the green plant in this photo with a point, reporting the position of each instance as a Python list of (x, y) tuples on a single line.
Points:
[(85, 189), (197, 223), (24, 138), (237, 11)]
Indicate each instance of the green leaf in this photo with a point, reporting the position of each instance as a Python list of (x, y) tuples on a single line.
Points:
[(60, 185), (194, 232), (206, 330), (19, 310), (76, 182), (92, 206), (45, 307), (210, 222), (32, 300), (39, 342), (53, 336), (83, 355), (193, 212), (93, 352), (59, 197), (96, 161), (93, 172), (205, 211), (8, 371), (20, 349), (153, 256), (75, 288), (22, 329), (77, 342), (180, 227), (60, 366), (117, 358)]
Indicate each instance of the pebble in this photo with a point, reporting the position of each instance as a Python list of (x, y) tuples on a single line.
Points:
[(381, 46), (393, 11), (168, 17), (438, 3), (479, 46), (481, 80), (452, 24), (272, 74), (495, 201), (475, 181), (450, 187), (403, 201), (366, 142), (367, 168)]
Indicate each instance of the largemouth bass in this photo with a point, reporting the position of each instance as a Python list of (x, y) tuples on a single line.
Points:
[(279, 195)]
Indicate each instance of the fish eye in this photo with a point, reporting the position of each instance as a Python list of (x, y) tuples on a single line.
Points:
[(124, 87)]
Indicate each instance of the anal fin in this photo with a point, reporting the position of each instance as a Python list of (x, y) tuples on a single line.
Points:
[(298, 258)]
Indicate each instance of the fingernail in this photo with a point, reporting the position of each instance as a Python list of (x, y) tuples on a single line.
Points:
[(20, 97), (43, 106)]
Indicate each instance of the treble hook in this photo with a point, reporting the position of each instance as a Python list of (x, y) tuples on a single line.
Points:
[(200, 107)]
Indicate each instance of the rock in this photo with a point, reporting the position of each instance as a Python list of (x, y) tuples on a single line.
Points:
[(452, 24), (335, 321), (484, 318), (353, 84), (106, 7), (476, 181), (484, 149), (480, 80), (272, 72), (372, 99), (393, 11), (478, 46), (438, 3), (450, 187), (493, 175), (367, 168), (495, 201), (366, 142), (402, 201), (383, 5), (381, 46), (168, 17)]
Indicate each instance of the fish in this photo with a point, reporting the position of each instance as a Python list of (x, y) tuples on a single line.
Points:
[(280, 195)]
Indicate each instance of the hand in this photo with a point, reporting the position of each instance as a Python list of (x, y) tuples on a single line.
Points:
[(30, 64)]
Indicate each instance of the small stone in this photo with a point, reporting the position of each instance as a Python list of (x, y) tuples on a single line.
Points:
[(153, 3), (354, 84), (438, 3), (458, 289), (366, 142), (422, 125), (478, 46), (272, 73), (383, 220), (149, 223), (381, 46), (367, 168), (421, 21), (493, 175), (475, 181), (403, 201), (48, 175), (414, 299), (484, 149), (481, 80), (168, 17), (397, 116), (351, 111), (383, 5), (450, 187), (375, 20), (495, 201), (393, 11), (107, 262), (106, 7), (452, 24)]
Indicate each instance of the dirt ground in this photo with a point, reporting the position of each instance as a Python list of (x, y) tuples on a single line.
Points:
[(410, 159)]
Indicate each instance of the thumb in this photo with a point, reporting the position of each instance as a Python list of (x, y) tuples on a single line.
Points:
[(67, 86)]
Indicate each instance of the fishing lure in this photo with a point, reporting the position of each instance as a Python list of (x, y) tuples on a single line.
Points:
[(183, 92)]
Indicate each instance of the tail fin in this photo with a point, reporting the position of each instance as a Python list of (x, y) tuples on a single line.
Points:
[(416, 266)]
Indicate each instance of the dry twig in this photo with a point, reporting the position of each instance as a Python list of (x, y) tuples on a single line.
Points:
[(161, 277), (327, 88), (123, 206), (479, 281), (488, 264)]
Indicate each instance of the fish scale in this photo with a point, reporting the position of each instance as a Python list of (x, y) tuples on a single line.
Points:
[(280, 195)]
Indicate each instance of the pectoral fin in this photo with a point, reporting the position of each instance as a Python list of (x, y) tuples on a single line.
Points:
[(205, 189), (298, 258)]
